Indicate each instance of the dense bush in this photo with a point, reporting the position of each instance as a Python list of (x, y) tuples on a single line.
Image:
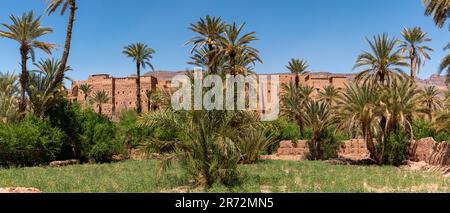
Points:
[(396, 148), (331, 142), (282, 129), (98, 137), (129, 132), (424, 129), (31, 142), (66, 116)]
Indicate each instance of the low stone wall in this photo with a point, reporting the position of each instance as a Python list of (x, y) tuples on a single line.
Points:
[(353, 149), (433, 153), (289, 148), (427, 150)]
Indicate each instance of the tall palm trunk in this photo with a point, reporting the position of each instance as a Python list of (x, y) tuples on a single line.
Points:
[(138, 89), (430, 114), (23, 78), (369, 143), (99, 109), (297, 80), (60, 74), (413, 60), (212, 64), (233, 64)]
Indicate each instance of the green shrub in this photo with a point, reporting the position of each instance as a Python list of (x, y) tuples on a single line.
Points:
[(99, 137), (32, 141), (423, 129), (129, 132), (331, 142), (396, 148), (66, 116), (283, 129)]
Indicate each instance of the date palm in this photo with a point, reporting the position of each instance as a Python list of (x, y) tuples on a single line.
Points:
[(297, 67), (233, 45), (358, 110), (9, 92), (429, 97), (383, 64), (293, 101), (412, 43), (445, 66), (209, 30), (141, 54), (42, 91), (100, 98), (26, 30), (439, 9), (52, 7), (319, 117), (87, 89), (329, 95)]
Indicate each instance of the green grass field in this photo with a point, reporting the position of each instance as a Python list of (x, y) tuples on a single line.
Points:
[(266, 176)]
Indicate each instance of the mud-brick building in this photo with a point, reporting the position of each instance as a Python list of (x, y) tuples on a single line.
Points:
[(121, 92)]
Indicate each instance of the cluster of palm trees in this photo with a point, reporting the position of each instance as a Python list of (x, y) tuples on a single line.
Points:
[(222, 48), (381, 101), (27, 30)]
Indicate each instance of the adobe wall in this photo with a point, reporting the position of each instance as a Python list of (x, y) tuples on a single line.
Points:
[(352, 149), (433, 153), (427, 150), (121, 92)]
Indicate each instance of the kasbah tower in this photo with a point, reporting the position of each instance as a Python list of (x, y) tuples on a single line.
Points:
[(122, 91)]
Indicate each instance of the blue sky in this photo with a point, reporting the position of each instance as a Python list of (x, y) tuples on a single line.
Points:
[(329, 33)]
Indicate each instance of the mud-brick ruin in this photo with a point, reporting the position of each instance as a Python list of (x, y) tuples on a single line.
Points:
[(122, 91)]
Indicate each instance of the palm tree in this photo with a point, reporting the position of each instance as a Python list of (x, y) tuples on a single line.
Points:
[(319, 117), (9, 92), (429, 97), (439, 9), (43, 93), (154, 100), (206, 145), (233, 45), (100, 98), (358, 109), (87, 89), (329, 95), (26, 30), (413, 38), (141, 54), (383, 63), (445, 64), (306, 92), (209, 30), (293, 101), (52, 7), (297, 67)]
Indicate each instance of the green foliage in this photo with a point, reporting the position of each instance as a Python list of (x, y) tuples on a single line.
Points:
[(66, 116), (396, 149), (98, 136), (205, 146), (31, 142), (252, 143), (423, 129), (129, 132), (331, 142)]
